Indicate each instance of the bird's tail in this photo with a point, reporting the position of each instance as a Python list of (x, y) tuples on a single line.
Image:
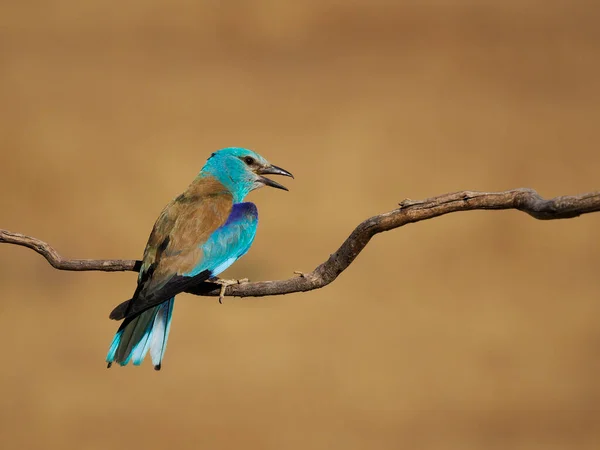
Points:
[(136, 335)]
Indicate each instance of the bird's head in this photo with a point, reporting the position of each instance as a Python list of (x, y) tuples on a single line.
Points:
[(241, 170)]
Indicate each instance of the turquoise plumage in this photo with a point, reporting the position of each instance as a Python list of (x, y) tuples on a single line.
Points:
[(197, 236)]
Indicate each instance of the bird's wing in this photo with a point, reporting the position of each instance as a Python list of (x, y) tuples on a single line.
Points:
[(174, 245), (229, 242), (188, 245)]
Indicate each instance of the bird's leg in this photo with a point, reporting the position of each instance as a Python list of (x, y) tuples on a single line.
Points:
[(224, 284), (222, 293)]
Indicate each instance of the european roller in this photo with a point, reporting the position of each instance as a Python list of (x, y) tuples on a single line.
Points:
[(197, 236)]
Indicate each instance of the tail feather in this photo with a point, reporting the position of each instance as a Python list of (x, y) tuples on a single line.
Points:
[(139, 350), (160, 333), (112, 351), (146, 331)]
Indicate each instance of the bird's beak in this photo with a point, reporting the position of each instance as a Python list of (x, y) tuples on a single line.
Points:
[(273, 170)]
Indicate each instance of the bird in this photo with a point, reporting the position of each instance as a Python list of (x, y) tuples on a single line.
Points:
[(198, 235)]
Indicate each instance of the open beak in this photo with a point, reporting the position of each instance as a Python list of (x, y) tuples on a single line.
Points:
[(273, 170)]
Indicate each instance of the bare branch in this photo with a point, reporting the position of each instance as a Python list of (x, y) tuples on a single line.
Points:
[(526, 200), (61, 263)]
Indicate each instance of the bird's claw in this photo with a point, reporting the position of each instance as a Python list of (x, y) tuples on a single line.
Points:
[(301, 274), (225, 283)]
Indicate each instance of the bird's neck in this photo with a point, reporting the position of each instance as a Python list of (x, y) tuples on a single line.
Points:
[(206, 184)]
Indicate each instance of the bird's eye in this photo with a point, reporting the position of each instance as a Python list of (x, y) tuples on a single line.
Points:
[(249, 160)]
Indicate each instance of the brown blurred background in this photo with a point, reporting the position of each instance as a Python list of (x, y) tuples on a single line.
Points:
[(472, 331)]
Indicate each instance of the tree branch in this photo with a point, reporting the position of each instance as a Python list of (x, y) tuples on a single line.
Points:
[(59, 262), (526, 200)]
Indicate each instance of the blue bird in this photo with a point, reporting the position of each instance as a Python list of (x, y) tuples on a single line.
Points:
[(197, 236)]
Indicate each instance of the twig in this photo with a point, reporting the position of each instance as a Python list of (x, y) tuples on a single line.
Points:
[(410, 211)]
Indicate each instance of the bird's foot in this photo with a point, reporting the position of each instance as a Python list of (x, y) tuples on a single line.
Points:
[(300, 274), (225, 283)]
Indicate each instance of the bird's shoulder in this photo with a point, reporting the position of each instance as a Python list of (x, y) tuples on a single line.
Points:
[(242, 211), (188, 220)]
